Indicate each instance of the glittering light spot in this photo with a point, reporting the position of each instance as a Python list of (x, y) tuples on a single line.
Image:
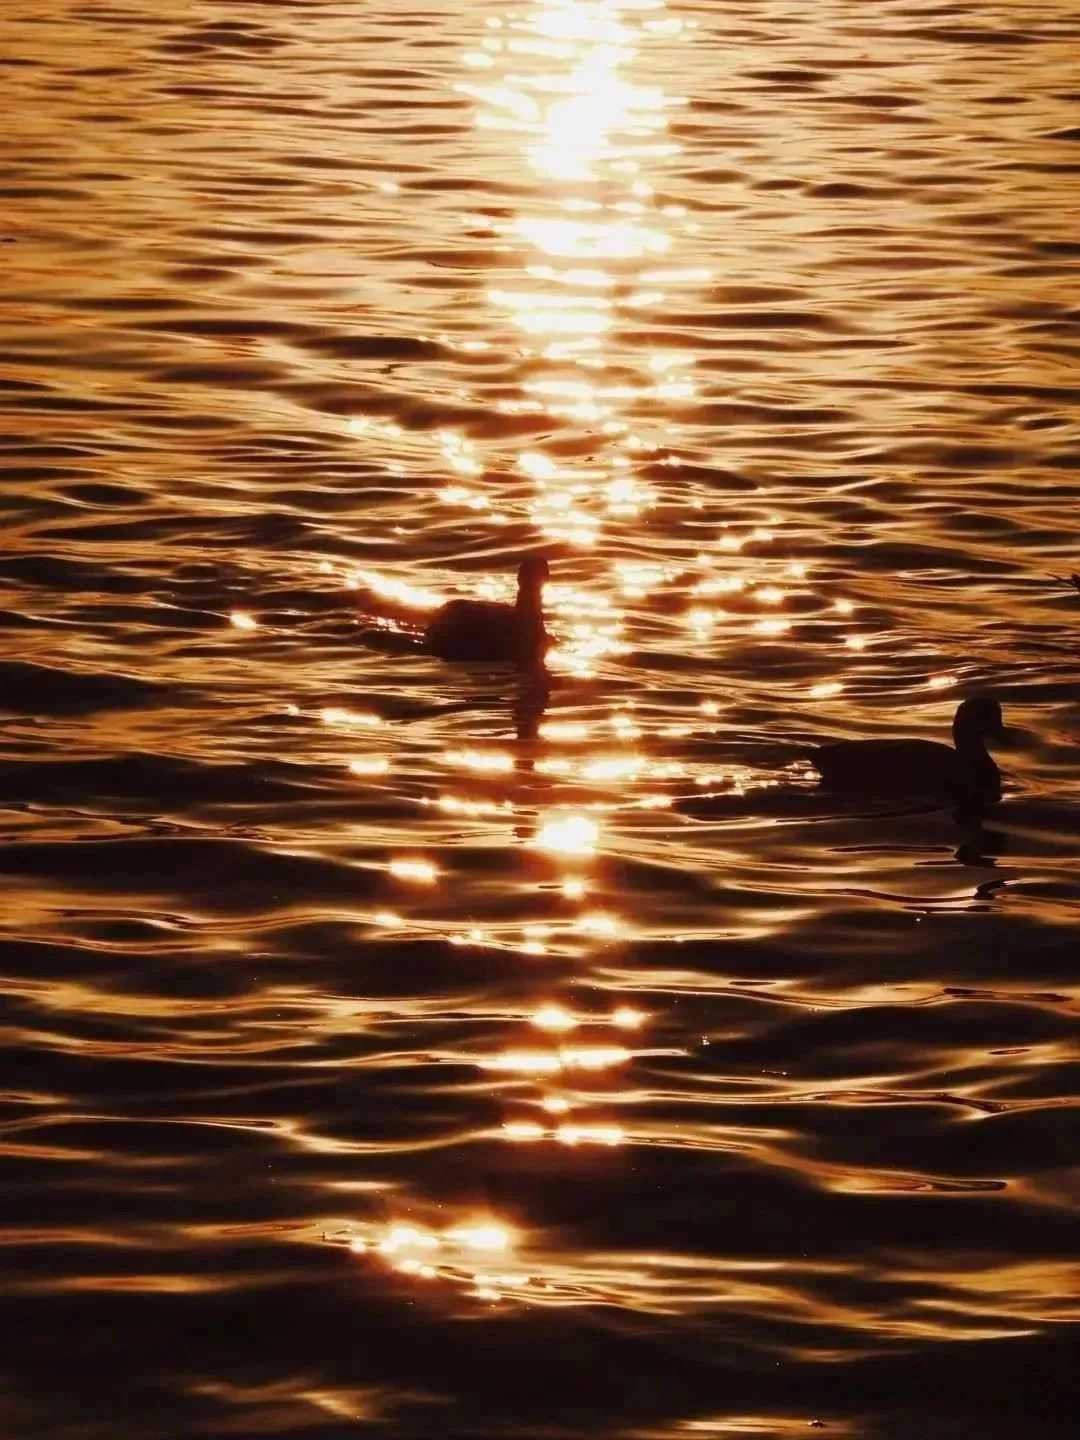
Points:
[(338, 715), (593, 1057), (589, 1134), (497, 761), (533, 939), (569, 835), (612, 767), (624, 727), (720, 585), (553, 1017), (407, 1237), (455, 805), (537, 465), (421, 871), (523, 1130), (599, 923), (523, 1062), (241, 620), (481, 1237), (627, 1018), (413, 597), (369, 765), (460, 495), (582, 239)]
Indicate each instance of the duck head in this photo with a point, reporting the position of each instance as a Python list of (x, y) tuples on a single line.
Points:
[(533, 573), (976, 721)]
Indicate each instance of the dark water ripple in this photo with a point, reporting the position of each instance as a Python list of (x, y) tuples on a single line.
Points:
[(340, 1087)]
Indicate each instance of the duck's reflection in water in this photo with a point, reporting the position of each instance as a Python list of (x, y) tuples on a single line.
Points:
[(530, 704), (979, 845)]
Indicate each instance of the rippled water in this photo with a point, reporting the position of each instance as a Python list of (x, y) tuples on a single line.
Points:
[(381, 1046)]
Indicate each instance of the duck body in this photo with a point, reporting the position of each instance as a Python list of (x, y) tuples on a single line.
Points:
[(912, 767), (965, 771), (488, 630), (482, 630)]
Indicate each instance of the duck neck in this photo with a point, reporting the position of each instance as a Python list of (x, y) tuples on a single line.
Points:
[(530, 602), (976, 759), (529, 624)]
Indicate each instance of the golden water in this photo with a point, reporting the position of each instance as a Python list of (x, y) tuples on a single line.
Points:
[(381, 1045)]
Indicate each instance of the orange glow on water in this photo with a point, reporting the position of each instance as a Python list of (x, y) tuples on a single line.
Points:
[(423, 872), (589, 1135), (523, 1131), (486, 1235), (571, 835), (553, 1017), (601, 924), (759, 326), (496, 762), (413, 597), (627, 1018), (339, 715), (369, 765)]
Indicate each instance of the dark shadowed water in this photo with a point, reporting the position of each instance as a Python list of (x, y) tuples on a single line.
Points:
[(386, 1053)]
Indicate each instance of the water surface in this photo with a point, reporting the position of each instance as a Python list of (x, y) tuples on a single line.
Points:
[(385, 1046)]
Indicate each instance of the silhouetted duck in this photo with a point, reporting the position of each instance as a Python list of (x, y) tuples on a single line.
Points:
[(921, 767), (492, 630)]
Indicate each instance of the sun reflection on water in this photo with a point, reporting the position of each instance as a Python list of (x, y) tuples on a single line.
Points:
[(590, 253), (422, 872), (570, 835), (563, 82)]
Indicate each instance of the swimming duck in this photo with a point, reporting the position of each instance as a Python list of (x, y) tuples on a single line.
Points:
[(491, 630), (921, 767)]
